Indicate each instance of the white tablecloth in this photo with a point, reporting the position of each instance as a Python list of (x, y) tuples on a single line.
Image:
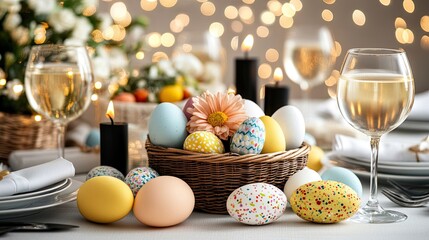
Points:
[(209, 226)]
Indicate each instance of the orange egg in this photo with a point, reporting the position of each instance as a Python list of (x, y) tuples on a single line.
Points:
[(164, 201)]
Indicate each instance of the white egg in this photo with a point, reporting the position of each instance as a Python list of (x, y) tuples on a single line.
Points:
[(301, 177), (292, 123), (252, 109)]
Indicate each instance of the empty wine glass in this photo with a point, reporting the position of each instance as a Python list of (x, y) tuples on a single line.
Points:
[(58, 84), (375, 94), (308, 56)]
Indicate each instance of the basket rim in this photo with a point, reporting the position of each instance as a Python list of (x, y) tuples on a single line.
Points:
[(185, 155)]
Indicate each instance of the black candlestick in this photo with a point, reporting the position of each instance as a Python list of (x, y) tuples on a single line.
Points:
[(275, 97), (246, 78), (114, 145)]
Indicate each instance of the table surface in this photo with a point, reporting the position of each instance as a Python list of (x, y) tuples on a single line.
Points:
[(211, 226)]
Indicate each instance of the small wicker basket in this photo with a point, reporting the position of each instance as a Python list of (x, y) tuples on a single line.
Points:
[(213, 177), (23, 132)]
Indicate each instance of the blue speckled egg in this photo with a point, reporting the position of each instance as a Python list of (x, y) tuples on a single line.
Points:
[(345, 176), (93, 138), (105, 171), (249, 137), (138, 177)]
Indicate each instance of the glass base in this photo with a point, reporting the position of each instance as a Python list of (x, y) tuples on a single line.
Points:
[(379, 215)]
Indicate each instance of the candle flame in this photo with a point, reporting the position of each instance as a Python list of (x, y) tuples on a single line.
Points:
[(278, 75), (247, 44), (110, 113)]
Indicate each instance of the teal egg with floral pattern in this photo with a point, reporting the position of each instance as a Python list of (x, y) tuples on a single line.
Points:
[(138, 177), (249, 137)]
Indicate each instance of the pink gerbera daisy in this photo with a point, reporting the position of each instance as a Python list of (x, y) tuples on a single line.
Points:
[(219, 113)]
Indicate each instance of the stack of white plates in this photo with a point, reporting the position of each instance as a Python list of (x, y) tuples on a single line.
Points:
[(30, 202), (400, 171)]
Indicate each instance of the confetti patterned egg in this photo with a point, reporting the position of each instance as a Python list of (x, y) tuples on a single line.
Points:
[(324, 202), (105, 171), (137, 177), (249, 137), (203, 142), (256, 204)]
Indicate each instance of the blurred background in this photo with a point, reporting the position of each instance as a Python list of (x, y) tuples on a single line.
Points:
[(366, 23)]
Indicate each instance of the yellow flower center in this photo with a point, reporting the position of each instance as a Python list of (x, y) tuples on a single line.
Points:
[(217, 119)]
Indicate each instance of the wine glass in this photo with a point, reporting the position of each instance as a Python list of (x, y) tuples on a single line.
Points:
[(308, 56), (58, 84), (375, 94)]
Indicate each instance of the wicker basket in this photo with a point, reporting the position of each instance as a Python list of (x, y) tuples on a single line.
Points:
[(23, 132), (213, 177)]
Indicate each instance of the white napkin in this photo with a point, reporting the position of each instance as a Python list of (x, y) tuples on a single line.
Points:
[(389, 151), (82, 162), (33, 178), (420, 110)]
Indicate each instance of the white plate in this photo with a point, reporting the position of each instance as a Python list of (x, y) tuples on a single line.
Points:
[(362, 171), (387, 168), (64, 197), (49, 188), (27, 201)]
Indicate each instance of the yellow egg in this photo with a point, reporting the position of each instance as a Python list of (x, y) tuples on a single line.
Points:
[(315, 158), (171, 93), (274, 138), (203, 142), (325, 201), (104, 199)]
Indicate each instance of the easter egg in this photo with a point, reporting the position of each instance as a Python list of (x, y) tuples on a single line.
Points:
[(292, 123), (203, 142), (93, 138), (274, 139), (104, 199), (249, 137), (252, 109), (299, 178), (171, 93), (315, 157), (167, 126), (345, 176), (105, 171), (164, 201), (141, 95), (189, 104), (325, 202), (256, 204), (139, 176)]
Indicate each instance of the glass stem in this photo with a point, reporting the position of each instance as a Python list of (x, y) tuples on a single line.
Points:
[(373, 188), (61, 131)]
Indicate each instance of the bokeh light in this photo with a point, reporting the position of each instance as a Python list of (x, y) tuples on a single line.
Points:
[(148, 5), (385, 2), (286, 22), (237, 26), (208, 8), (231, 12), (358, 17), (264, 71), (216, 29), (288, 10), (167, 39), (424, 23), (327, 15), (400, 23), (268, 17), (408, 6), (262, 31), (167, 3), (272, 55)]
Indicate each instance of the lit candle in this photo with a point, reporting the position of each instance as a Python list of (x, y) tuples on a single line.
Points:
[(246, 71), (276, 96), (114, 142)]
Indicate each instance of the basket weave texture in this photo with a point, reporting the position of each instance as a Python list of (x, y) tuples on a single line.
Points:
[(213, 177), (23, 132)]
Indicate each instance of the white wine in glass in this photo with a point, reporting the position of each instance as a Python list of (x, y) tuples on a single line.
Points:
[(308, 56), (58, 84), (375, 94)]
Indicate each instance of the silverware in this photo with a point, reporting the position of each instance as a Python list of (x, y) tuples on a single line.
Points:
[(414, 192), (400, 200), (6, 227)]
